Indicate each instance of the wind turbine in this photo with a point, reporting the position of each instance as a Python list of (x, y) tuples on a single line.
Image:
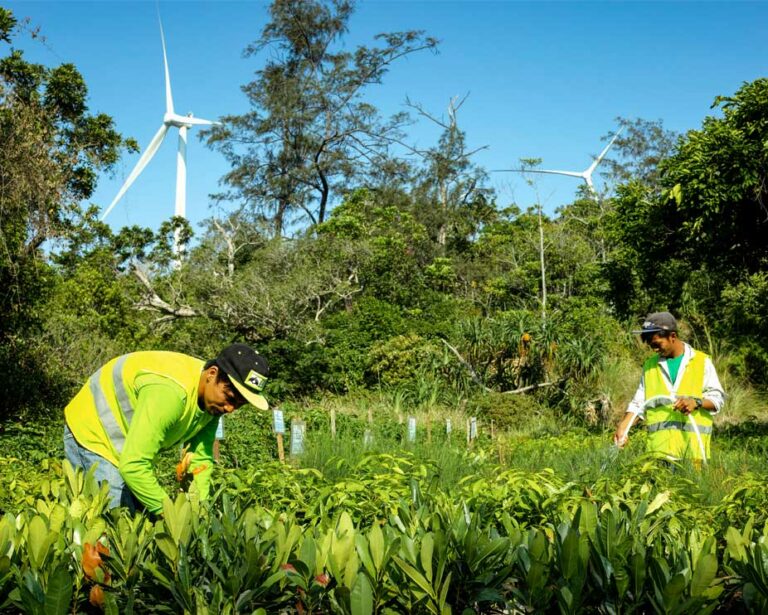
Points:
[(586, 175), (170, 120)]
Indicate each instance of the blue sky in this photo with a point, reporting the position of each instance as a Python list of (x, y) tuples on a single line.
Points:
[(544, 79)]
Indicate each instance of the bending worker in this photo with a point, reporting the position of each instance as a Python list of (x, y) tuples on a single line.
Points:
[(678, 384), (144, 402)]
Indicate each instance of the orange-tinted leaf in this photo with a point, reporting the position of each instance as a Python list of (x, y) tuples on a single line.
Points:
[(96, 597), (91, 560), (183, 466), (199, 469)]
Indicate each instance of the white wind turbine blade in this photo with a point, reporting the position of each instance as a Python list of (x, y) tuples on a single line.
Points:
[(599, 159), (553, 172), (550, 171), (168, 95), (153, 146)]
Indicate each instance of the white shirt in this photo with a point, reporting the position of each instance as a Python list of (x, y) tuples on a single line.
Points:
[(712, 389)]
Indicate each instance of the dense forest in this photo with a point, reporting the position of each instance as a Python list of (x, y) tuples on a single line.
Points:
[(353, 268)]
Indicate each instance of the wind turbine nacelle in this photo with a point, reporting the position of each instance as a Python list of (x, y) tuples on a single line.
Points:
[(185, 121)]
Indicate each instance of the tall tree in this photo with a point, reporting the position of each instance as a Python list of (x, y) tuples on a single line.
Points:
[(51, 150), (310, 128), (639, 150), (450, 182)]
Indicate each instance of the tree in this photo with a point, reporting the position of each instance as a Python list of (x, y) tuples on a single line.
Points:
[(51, 150), (639, 151), (710, 212), (451, 187), (310, 129)]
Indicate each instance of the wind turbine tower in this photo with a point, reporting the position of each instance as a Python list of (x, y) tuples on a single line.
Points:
[(170, 120)]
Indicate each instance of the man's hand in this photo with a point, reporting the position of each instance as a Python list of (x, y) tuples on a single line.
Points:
[(686, 405), (621, 437)]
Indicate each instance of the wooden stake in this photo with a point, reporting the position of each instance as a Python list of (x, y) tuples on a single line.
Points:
[(429, 431), (492, 431), (333, 423), (280, 449)]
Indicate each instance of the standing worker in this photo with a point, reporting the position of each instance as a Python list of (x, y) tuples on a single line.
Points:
[(144, 402), (689, 382)]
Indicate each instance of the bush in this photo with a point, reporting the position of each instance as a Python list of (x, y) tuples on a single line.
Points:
[(401, 359)]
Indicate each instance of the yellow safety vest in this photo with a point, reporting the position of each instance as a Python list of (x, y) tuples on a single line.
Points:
[(100, 414), (670, 432)]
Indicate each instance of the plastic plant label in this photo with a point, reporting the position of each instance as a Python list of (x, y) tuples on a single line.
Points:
[(278, 423), (411, 429), (298, 429)]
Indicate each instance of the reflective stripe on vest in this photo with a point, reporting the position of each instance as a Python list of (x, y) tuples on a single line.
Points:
[(107, 418), (703, 429), (122, 394)]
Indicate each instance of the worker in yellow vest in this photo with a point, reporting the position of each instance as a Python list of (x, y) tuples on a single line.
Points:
[(678, 395), (143, 402)]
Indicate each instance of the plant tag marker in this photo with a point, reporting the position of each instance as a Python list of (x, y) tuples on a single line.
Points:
[(411, 429), (448, 427), (473, 428), (298, 430), (278, 423), (367, 438)]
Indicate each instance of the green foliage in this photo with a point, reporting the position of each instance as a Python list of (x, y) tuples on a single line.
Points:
[(506, 411), (52, 151), (400, 359), (387, 536)]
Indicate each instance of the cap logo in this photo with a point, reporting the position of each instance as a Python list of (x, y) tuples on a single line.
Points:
[(255, 380)]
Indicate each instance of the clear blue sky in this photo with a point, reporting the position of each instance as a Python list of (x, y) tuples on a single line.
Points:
[(545, 79)]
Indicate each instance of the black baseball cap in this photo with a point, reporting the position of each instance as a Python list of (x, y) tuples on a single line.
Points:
[(248, 372), (657, 322)]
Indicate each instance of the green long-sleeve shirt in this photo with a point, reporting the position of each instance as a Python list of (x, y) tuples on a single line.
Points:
[(160, 422)]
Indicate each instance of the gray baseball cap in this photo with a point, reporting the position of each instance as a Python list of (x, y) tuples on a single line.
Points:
[(658, 321)]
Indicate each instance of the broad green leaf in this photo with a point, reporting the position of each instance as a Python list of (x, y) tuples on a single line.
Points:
[(416, 577), (659, 501), (704, 574), (376, 544), (58, 596), (588, 520), (167, 545), (363, 552), (351, 570), (37, 540), (427, 548), (673, 592), (736, 544), (361, 597)]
